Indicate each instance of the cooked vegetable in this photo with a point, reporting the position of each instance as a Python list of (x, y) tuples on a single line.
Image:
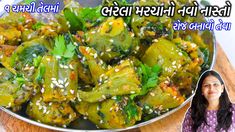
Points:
[(119, 80), (167, 55), (15, 93), (96, 65), (60, 81), (111, 39), (119, 112), (53, 113), (5, 75), (163, 97)]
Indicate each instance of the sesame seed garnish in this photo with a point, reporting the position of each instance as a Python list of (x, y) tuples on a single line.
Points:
[(58, 57), (98, 108), (40, 107), (76, 13), (44, 109), (110, 23), (111, 109), (116, 109), (60, 86), (132, 92), (155, 40), (51, 30), (193, 45), (72, 91), (114, 97), (79, 99), (47, 112), (152, 94), (54, 82), (150, 111), (146, 107), (116, 70), (101, 121), (160, 107), (52, 85), (9, 104), (179, 66), (66, 67), (42, 90), (103, 96), (95, 55), (71, 67), (67, 84), (125, 24), (111, 40), (65, 80), (75, 44), (132, 35), (60, 81), (180, 54), (108, 50), (137, 47), (34, 55)]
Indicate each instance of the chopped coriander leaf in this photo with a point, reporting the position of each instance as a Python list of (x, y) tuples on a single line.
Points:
[(63, 50), (20, 79), (149, 78), (69, 52), (91, 14), (131, 110), (40, 73), (36, 61), (28, 1), (76, 22), (21, 19), (79, 17), (37, 26)]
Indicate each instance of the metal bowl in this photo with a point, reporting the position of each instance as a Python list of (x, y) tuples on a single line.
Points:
[(81, 124)]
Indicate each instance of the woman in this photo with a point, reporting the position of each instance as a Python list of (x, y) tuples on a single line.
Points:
[(211, 109)]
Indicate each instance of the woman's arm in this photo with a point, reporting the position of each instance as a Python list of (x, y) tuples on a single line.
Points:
[(188, 122)]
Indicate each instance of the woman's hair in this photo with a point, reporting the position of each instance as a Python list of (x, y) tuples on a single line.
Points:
[(200, 103)]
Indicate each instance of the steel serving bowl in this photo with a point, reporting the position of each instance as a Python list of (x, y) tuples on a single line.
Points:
[(85, 125)]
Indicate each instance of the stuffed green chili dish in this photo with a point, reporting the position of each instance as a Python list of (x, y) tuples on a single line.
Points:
[(83, 71)]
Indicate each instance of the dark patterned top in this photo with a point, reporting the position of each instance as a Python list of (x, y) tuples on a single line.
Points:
[(211, 118)]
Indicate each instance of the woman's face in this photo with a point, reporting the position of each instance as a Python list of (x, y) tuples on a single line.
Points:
[(212, 88)]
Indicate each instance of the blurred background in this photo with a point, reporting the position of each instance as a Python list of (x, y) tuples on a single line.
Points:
[(226, 38)]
